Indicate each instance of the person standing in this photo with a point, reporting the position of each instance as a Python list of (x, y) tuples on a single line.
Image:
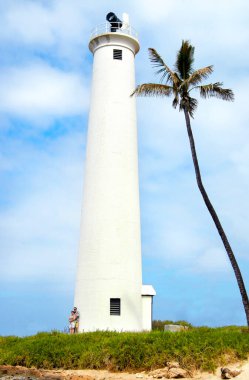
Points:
[(77, 319), (72, 322)]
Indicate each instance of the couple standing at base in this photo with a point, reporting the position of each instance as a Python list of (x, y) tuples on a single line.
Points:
[(74, 321)]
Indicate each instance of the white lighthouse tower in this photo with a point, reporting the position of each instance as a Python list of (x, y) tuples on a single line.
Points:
[(109, 293)]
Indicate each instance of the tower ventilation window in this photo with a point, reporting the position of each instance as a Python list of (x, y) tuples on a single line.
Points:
[(115, 306), (117, 54)]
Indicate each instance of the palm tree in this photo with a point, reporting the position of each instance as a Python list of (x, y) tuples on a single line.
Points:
[(179, 83)]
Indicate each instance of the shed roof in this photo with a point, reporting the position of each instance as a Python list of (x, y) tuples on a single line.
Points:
[(148, 290)]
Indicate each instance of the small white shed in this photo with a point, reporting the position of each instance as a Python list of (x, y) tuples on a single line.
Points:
[(148, 292)]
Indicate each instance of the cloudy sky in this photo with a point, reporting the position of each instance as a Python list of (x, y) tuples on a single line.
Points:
[(45, 79)]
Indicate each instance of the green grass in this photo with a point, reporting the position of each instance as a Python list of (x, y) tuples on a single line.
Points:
[(197, 348)]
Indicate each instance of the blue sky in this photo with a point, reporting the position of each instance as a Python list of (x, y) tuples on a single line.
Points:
[(45, 78)]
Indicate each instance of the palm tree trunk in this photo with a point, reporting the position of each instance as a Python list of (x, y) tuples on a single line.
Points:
[(216, 220)]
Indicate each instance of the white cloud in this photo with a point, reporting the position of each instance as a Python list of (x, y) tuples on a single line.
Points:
[(152, 13), (28, 22), (45, 23), (213, 260), (41, 90), (40, 227)]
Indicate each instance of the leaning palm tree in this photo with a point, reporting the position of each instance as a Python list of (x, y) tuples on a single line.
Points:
[(179, 83)]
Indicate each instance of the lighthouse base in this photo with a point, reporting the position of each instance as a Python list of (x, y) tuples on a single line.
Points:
[(122, 314)]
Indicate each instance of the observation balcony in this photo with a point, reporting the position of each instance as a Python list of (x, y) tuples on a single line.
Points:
[(118, 27)]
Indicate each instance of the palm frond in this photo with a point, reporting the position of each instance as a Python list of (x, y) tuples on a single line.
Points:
[(166, 72), (153, 89), (190, 104), (175, 101), (185, 60), (183, 80), (216, 90), (198, 75)]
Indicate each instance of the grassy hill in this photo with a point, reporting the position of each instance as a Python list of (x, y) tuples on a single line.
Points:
[(196, 348)]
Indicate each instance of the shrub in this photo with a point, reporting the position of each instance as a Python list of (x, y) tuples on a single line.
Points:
[(197, 348)]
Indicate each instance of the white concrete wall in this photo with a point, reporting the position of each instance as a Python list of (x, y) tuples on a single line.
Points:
[(109, 264)]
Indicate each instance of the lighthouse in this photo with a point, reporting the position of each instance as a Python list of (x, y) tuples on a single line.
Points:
[(109, 293)]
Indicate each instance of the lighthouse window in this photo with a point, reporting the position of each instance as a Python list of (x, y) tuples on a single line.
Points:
[(117, 54), (115, 306)]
